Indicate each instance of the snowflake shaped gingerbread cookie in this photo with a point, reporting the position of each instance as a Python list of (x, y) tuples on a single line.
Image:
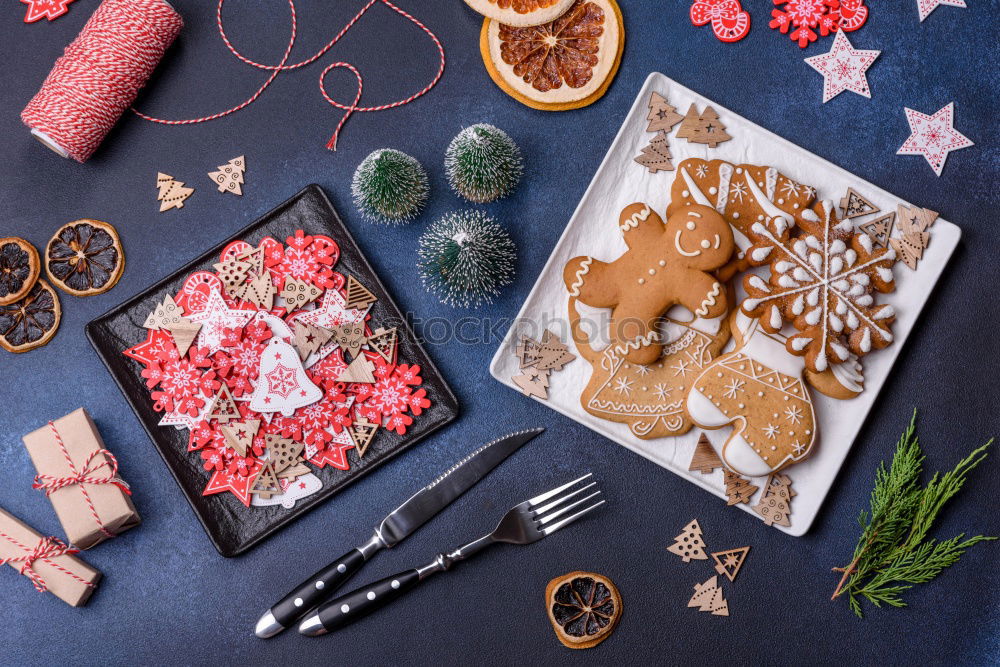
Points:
[(823, 281)]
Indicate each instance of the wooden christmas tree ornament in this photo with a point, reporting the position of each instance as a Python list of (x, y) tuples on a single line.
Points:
[(704, 460), (350, 336), (708, 597), (184, 333), (259, 292), (283, 453), (738, 489), (240, 435), (533, 382), (358, 296), (171, 193), (689, 545), (527, 351), (233, 272), (913, 224), (266, 483), (854, 205), (298, 293), (655, 155), (879, 229), (362, 433), (255, 258), (229, 177), (775, 505), (294, 470), (729, 562), (309, 339), (383, 341), (359, 370), (165, 315), (223, 406), (552, 354), (662, 115), (704, 128)]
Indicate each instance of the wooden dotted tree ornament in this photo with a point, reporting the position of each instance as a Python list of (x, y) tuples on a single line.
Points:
[(254, 257), (362, 433), (527, 351), (171, 192), (298, 293), (729, 562), (240, 435), (704, 460), (359, 370), (309, 339), (229, 177), (879, 229), (775, 505), (854, 205), (223, 407), (703, 128), (383, 341), (913, 224), (358, 296), (233, 272), (259, 291), (662, 115), (266, 483), (708, 597), (553, 354), (738, 489), (689, 545), (283, 453), (655, 155)]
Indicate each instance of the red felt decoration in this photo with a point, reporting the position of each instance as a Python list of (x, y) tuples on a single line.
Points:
[(729, 22), (45, 9)]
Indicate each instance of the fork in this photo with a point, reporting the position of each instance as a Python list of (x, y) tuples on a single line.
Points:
[(524, 523)]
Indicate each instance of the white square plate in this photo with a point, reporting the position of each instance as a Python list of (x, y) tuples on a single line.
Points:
[(592, 230)]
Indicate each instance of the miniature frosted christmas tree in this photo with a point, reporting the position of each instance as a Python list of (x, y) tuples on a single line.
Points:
[(689, 545), (389, 186), (171, 193), (483, 163), (229, 177), (465, 258), (703, 128), (656, 154)]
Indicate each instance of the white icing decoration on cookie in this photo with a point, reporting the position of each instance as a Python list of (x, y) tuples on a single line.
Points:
[(849, 374), (771, 178), (574, 289), (725, 175), (677, 244), (634, 220), (709, 300), (694, 192)]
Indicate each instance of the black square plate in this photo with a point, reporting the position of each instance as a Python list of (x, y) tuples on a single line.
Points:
[(232, 527)]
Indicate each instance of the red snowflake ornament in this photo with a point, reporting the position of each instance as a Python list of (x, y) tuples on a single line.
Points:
[(805, 16), (45, 9), (729, 22)]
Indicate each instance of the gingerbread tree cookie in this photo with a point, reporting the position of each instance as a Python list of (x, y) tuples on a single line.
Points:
[(665, 264)]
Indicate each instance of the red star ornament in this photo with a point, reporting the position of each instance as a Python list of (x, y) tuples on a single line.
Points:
[(843, 68), (45, 9), (335, 453), (933, 136), (238, 485)]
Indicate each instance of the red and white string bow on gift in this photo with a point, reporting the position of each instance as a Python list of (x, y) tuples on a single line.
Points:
[(97, 460), (46, 549), (729, 22), (284, 66)]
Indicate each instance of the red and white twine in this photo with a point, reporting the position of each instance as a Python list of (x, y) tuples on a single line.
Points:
[(114, 55), (46, 549), (97, 460)]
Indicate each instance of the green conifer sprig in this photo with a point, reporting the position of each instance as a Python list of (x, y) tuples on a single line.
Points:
[(894, 552)]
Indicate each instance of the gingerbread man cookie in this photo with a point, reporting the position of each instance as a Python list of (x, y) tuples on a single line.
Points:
[(665, 265)]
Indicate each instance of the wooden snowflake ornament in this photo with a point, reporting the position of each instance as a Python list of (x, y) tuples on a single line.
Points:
[(823, 281)]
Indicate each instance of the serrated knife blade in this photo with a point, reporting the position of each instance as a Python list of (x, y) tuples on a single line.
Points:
[(455, 481)]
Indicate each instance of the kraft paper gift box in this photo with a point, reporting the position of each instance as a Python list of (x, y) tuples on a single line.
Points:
[(65, 576), (89, 512)]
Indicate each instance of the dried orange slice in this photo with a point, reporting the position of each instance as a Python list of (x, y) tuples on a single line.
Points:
[(583, 607), (84, 258), (32, 321), (19, 268), (521, 12), (567, 63)]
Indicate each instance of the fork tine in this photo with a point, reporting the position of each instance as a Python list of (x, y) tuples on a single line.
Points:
[(570, 519), (545, 496), (558, 501), (558, 513)]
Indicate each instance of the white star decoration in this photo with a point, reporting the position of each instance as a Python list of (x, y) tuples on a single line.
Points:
[(925, 7), (623, 386), (662, 391), (843, 68), (793, 414), (933, 136), (215, 318), (771, 430), (734, 387), (681, 368)]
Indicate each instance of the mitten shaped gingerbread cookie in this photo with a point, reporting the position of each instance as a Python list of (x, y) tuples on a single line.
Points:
[(665, 265)]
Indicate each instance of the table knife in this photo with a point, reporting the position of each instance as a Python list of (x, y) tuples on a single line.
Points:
[(402, 522)]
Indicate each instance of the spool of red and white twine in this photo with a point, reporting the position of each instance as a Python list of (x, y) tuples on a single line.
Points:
[(100, 74), (104, 68)]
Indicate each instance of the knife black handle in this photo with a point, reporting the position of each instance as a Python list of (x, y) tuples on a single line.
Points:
[(317, 588), (357, 604)]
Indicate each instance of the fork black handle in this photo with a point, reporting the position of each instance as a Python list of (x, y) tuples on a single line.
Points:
[(357, 604)]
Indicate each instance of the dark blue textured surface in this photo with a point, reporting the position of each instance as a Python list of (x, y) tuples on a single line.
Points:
[(168, 596)]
